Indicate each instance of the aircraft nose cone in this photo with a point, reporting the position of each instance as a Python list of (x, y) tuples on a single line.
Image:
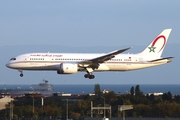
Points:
[(8, 65)]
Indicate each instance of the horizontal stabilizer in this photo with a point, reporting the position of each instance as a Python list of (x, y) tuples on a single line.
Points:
[(168, 58)]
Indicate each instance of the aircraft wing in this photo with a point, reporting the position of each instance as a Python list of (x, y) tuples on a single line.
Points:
[(94, 63)]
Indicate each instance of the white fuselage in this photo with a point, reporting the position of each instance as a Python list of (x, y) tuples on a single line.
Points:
[(70, 63), (52, 61)]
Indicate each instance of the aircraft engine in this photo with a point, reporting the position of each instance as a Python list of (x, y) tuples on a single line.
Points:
[(67, 68)]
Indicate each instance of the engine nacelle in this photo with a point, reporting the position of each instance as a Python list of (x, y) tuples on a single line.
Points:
[(67, 68)]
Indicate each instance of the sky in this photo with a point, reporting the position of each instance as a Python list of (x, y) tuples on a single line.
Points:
[(87, 26)]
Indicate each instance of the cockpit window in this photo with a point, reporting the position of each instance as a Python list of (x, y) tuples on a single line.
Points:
[(13, 59)]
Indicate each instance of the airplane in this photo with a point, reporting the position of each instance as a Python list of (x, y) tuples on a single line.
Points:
[(71, 63)]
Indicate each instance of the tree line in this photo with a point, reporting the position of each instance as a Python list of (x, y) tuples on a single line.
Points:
[(144, 105)]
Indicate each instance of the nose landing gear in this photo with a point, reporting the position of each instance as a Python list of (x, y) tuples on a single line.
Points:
[(21, 75)]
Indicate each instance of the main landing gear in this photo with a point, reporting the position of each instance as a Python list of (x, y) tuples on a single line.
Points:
[(89, 73), (90, 76)]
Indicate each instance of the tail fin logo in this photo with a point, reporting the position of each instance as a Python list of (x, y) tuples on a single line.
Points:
[(152, 48)]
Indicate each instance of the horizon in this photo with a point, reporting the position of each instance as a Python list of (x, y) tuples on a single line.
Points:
[(89, 88)]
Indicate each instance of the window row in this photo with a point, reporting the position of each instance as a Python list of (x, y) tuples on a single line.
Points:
[(36, 58), (71, 59), (77, 59)]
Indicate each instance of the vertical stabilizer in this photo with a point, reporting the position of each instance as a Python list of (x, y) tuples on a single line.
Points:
[(158, 44)]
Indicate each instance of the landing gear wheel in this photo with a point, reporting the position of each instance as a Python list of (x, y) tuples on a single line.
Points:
[(86, 75), (91, 77), (21, 75)]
